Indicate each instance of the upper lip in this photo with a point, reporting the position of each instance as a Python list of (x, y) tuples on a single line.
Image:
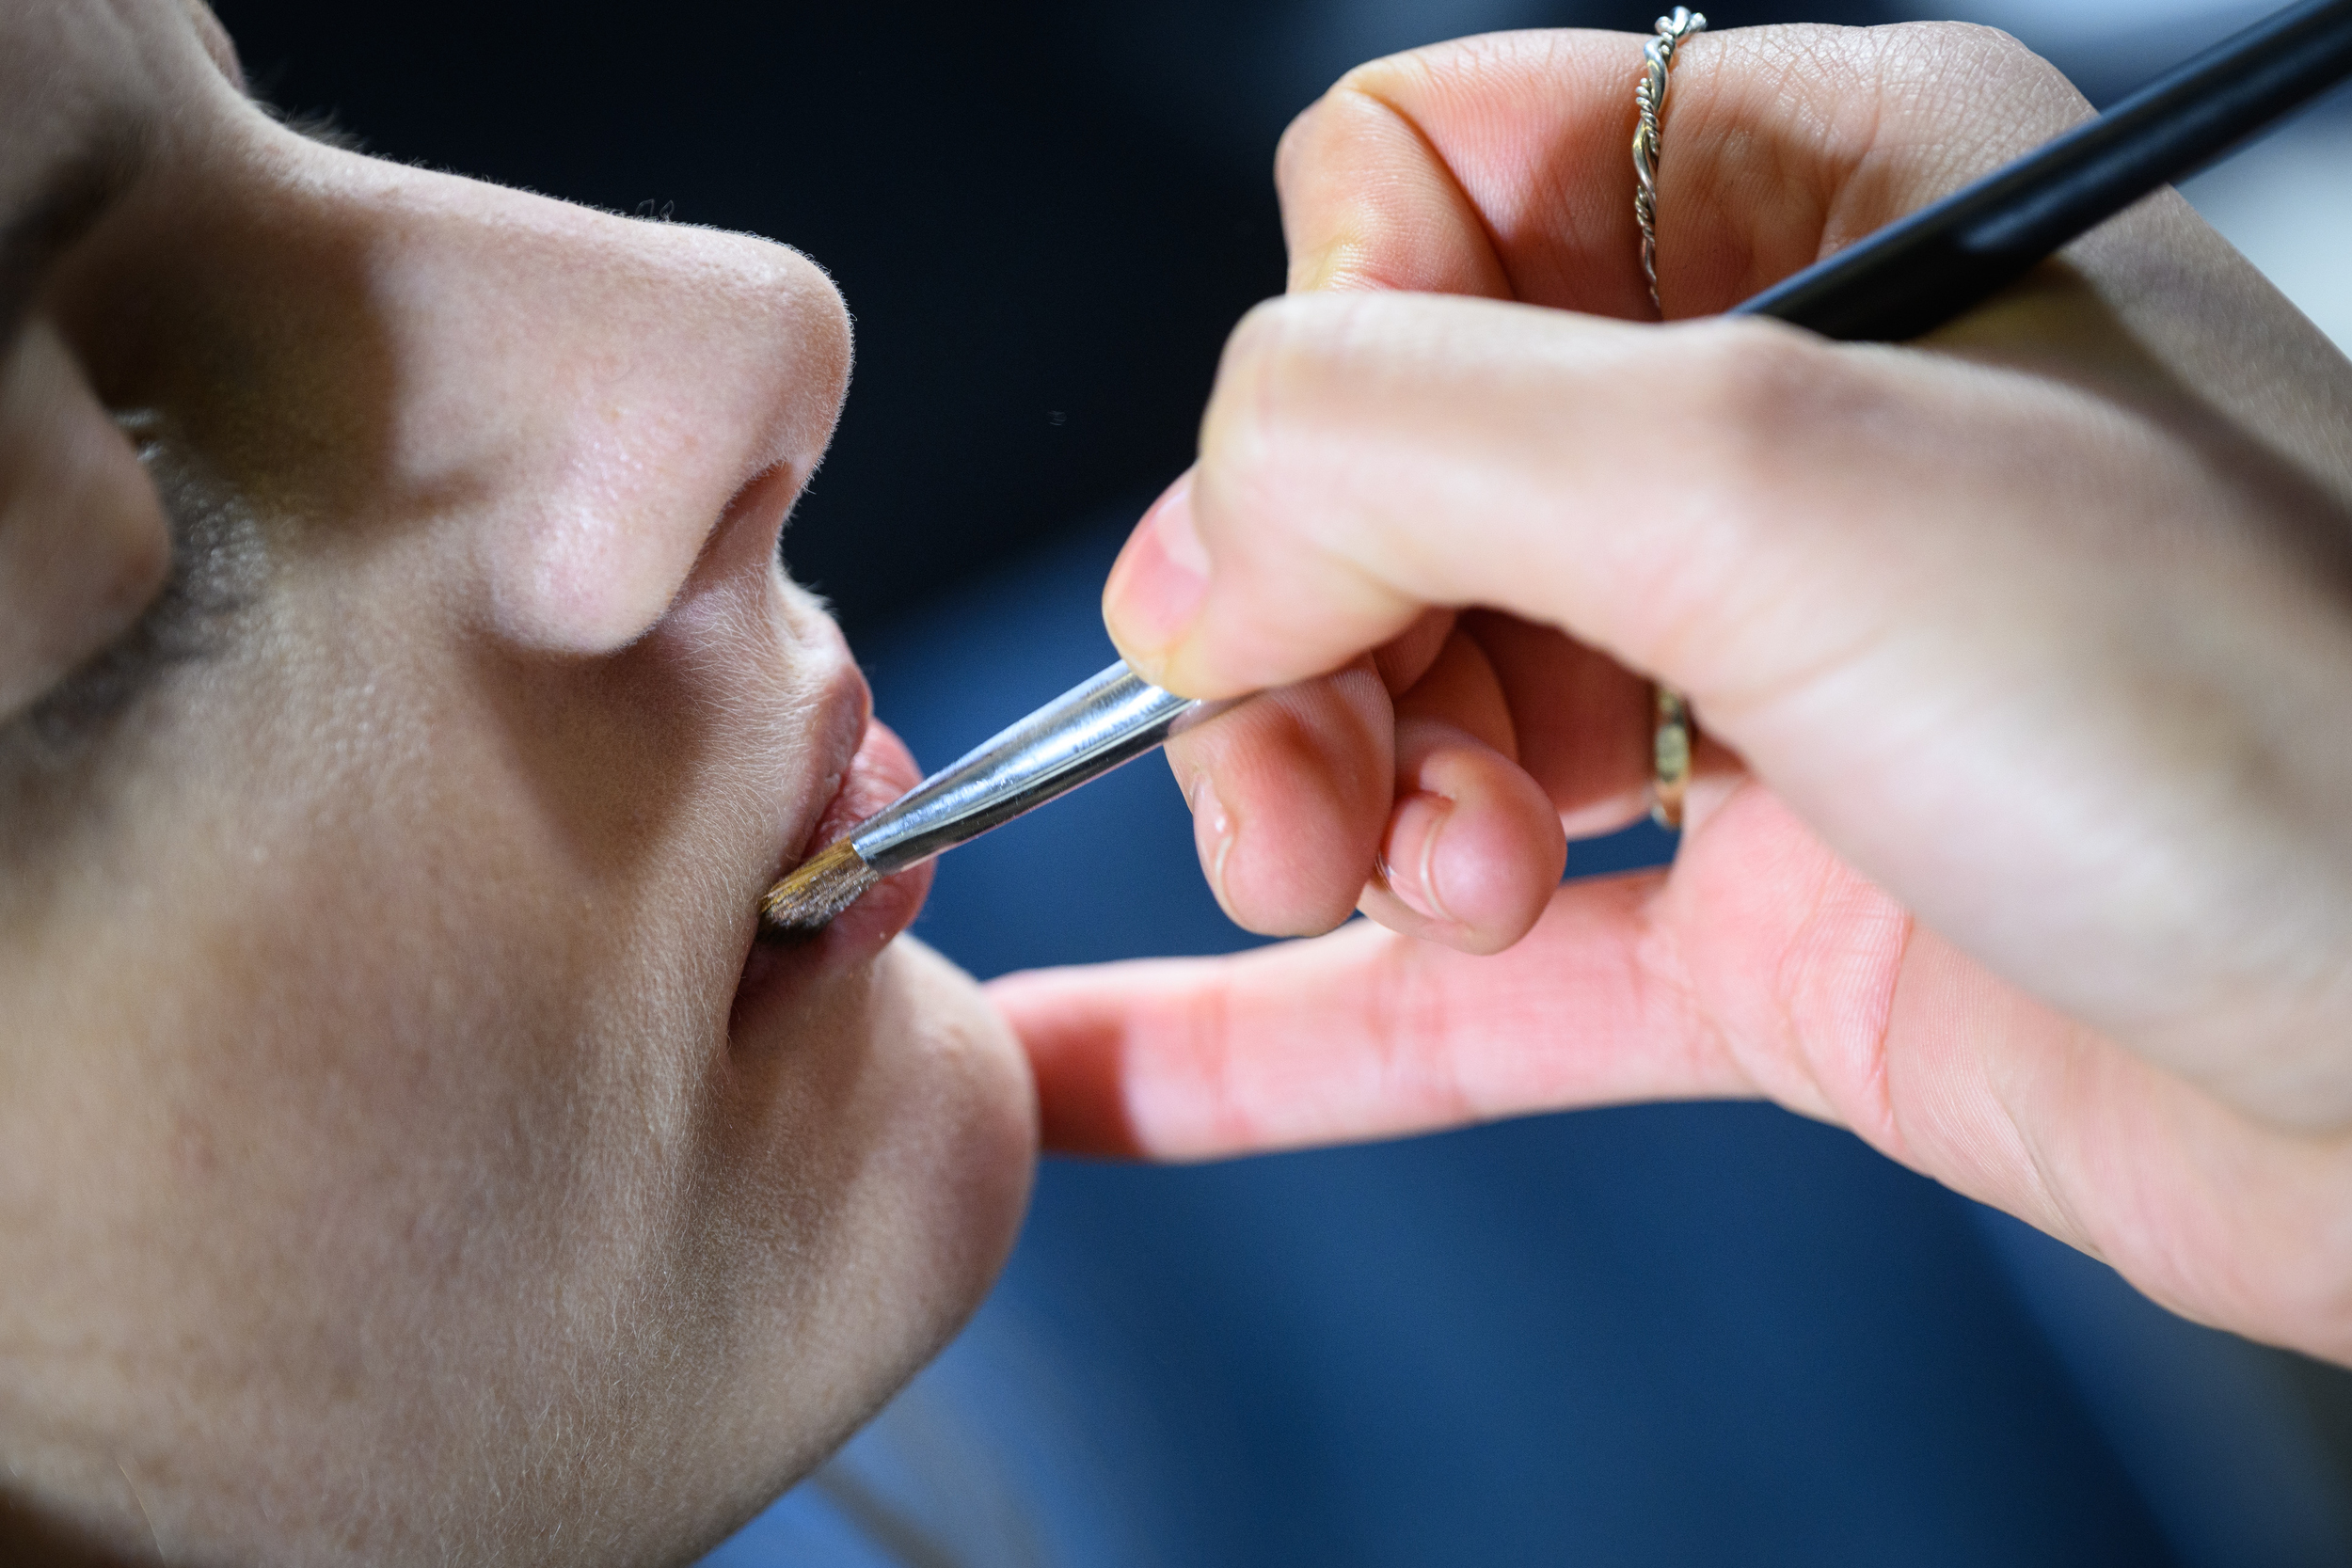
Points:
[(839, 720), (832, 709)]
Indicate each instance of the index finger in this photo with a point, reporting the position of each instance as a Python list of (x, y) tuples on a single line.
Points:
[(1759, 967), (1501, 166)]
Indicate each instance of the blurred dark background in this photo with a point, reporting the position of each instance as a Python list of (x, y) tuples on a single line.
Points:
[(1045, 218)]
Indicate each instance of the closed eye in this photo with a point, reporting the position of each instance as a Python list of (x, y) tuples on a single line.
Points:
[(217, 564)]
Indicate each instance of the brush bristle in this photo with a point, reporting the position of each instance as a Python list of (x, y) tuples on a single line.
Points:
[(818, 889)]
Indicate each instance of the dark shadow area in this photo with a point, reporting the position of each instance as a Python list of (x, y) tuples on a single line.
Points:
[(1046, 218), (27, 1536)]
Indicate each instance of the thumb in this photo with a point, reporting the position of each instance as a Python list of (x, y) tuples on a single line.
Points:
[(1365, 457)]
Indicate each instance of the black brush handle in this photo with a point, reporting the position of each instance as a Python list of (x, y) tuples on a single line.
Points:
[(1920, 271)]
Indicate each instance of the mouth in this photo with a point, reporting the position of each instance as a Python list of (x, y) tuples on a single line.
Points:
[(878, 770)]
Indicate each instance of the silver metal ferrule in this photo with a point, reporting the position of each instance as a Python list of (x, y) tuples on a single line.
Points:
[(1081, 735)]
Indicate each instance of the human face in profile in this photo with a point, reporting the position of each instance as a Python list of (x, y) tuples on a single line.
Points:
[(407, 1150)]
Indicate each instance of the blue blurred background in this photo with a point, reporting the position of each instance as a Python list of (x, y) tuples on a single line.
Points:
[(1688, 1334)]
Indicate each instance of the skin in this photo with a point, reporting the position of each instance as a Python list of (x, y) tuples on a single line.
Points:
[(405, 1152), (2024, 655)]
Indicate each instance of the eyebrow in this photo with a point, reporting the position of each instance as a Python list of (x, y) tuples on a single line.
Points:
[(69, 192)]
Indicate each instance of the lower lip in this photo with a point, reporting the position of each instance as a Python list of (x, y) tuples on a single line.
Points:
[(880, 771)]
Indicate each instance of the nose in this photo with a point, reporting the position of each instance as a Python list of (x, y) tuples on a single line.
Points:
[(576, 401), (625, 387)]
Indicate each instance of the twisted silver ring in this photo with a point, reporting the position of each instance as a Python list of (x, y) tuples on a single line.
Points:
[(1649, 98)]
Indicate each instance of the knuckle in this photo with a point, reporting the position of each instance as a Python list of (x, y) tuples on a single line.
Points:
[(1279, 364), (1302, 400), (1754, 393), (1376, 82), (1238, 432), (1996, 55), (1330, 130), (1297, 351), (1973, 65), (1293, 147), (1357, 120), (1255, 338)]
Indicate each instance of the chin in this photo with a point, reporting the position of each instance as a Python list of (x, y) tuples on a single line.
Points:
[(929, 1152), (947, 1172)]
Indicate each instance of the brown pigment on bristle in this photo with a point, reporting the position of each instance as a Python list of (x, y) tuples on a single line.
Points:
[(818, 889)]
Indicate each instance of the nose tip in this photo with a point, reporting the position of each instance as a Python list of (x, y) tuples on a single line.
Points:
[(768, 307), (709, 361), (610, 385)]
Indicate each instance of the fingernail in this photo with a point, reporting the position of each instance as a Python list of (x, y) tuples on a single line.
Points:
[(1212, 832), (1409, 863), (1157, 588)]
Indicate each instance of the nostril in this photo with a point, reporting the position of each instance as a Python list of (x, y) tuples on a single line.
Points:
[(750, 528)]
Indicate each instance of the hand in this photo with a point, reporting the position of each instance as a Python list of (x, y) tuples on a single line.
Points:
[(2024, 656)]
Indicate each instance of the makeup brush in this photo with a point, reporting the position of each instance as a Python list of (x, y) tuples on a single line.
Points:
[(1081, 735), (1907, 279)]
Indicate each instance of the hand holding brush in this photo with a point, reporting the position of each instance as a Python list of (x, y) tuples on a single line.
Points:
[(2022, 652), (1907, 277)]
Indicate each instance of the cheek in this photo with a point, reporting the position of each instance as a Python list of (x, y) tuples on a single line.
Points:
[(927, 1128), (419, 1143), (366, 1212)]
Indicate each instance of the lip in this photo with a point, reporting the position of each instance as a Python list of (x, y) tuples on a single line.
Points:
[(876, 768), (854, 766), (879, 770)]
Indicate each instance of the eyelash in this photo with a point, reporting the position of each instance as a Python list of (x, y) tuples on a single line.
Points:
[(217, 565)]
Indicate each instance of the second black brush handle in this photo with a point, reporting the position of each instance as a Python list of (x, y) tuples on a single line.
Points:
[(1918, 274)]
